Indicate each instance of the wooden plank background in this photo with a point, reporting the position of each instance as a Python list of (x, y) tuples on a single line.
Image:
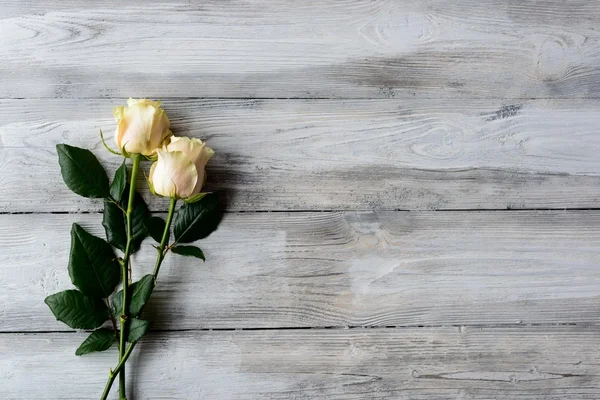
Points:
[(269, 270), (548, 362), (409, 190), (282, 49), (333, 154)]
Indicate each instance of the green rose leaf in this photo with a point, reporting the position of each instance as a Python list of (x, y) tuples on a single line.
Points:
[(77, 310), (140, 293), (137, 329), (117, 187), (190, 251), (155, 226), (113, 222), (138, 217), (82, 171), (195, 221), (99, 340), (93, 267)]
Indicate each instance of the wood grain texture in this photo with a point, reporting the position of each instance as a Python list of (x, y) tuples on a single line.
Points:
[(329, 105), (543, 363), (332, 154), (336, 269), (282, 49)]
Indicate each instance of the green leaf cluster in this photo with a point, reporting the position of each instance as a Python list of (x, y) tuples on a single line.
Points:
[(95, 269)]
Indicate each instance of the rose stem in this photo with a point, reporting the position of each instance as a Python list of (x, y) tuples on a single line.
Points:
[(165, 238), (125, 274), (120, 368)]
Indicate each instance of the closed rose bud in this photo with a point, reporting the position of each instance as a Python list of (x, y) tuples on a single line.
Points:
[(180, 169), (198, 153), (142, 126)]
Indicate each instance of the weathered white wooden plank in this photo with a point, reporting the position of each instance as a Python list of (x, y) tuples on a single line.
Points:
[(332, 154), (336, 269), (384, 48), (545, 363)]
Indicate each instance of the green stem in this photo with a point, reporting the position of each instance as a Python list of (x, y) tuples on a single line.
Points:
[(120, 368), (165, 239), (113, 373), (125, 275)]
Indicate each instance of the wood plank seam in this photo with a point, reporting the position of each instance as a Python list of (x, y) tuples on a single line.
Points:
[(444, 210), (333, 327)]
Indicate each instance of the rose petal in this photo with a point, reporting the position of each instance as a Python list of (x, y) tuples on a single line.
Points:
[(174, 174), (118, 112), (155, 104), (137, 129)]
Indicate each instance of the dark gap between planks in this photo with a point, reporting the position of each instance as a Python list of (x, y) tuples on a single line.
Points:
[(397, 97), (333, 327), (329, 211)]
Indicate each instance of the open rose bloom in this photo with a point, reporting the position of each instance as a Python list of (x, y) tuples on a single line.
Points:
[(142, 126), (180, 169)]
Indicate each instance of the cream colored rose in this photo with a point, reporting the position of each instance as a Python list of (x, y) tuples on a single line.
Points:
[(142, 126), (180, 168)]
